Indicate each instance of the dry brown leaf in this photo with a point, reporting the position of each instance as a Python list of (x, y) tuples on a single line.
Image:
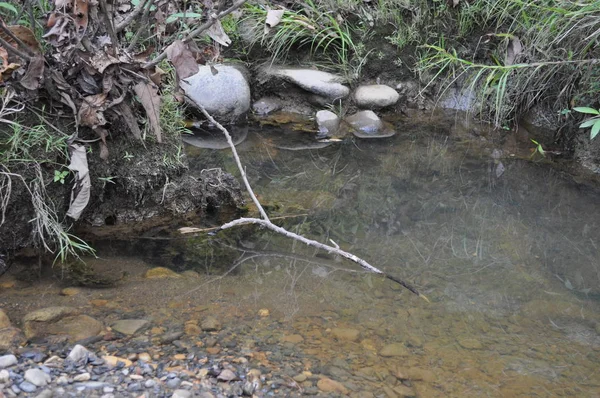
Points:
[(217, 33), (4, 56), (126, 113), (26, 36), (7, 69), (513, 49), (156, 76), (182, 59), (80, 13), (102, 133), (35, 73), (59, 32), (91, 113), (148, 95), (101, 60)]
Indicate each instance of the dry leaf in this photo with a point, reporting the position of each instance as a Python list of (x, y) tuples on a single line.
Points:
[(91, 111), (513, 49), (102, 133), (273, 19), (25, 35), (182, 59), (101, 60), (156, 76), (35, 73), (150, 100), (125, 112), (217, 33), (80, 13), (80, 194)]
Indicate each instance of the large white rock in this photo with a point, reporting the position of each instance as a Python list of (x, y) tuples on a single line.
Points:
[(225, 95), (366, 124), (375, 96), (328, 122), (314, 81)]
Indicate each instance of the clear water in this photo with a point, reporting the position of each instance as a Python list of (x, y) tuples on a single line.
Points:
[(508, 256)]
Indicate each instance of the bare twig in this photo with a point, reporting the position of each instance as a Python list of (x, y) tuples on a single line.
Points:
[(13, 50), (109, 26), (265, 222), (237, 161), (196, 32), (143, 26), (19, 42), (130, 17)]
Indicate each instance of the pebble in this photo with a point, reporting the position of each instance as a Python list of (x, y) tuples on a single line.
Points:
[(394, 350), (173, 383), (4, 376), (37, 377), (7, 360), (78, 354), (82, 377), (470, 344), (345, 334), (181, 394), (328, 385), (210, 324), (27, 386), (293, 338)]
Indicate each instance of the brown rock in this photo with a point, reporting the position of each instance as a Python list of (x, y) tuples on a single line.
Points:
[(99, 302), (10, 338), (60, 321), (404, 391), (394, 350), (293, 338), (210, 324), (418, 374), (160, 273), (70, 291), (191, 329), (213, 350), (4, 321), (345, 334), (112, 361), (328, 385)]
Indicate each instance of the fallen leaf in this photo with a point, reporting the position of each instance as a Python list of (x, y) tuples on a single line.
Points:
[(34, 75), (127, 115), (148, 95), (80, 13), (156, 76), (26, 35), (182, 59), (80, 194), (91, 111), (513, 49), (217, 33), (102, 133), (101, 60)]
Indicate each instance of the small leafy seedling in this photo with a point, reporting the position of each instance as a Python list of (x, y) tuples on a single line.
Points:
[(594, 122), (538, 149), (59, 176)]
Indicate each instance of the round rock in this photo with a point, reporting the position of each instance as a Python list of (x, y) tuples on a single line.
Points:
[(130, 326), (375, 96), (221, 89), (366, 124), (7, 360), (328, 123), (37, 377), (315, 81)]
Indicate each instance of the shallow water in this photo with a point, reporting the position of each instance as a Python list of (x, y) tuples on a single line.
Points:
[(506, 249)]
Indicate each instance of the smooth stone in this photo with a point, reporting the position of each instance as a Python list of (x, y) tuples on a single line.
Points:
[(328, 122), (181, 394), (82, 377), (328, 385), (37, 377), (70, 291), (300, 378), (293, 338), (160, 273), (470, 344), (4, 376), (78, 353), (225, 95), (112, 361), (375, 96), (367, 124), (27, 386), (149, 383), (418, 374), (173, 383), (213, 139), (61, 321), (267, 105), (7, 360), (394, 350), (345, 334), (314, 81), (45, 394), (130, 326), (10, 338), (4, 321), (210, 324), (227, 375)]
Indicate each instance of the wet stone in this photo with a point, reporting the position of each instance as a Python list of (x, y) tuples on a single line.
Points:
[(7, 360), (345, 334), (328, 385), (470, 344), (130, 326), (27, 386), (394, 350), (37, 377), (210, 324)]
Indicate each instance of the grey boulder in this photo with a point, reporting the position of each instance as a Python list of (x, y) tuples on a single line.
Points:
[(375, 96), (314, 81), (328, 122), (224, 94)]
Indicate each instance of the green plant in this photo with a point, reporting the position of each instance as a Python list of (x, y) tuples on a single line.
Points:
[(538, 149), (309, 26), (59, 176), (594, 122), (127, 156)]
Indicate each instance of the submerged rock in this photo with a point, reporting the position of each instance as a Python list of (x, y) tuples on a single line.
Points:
[(161, 273), (315, 81), (130, 326), (10, 338), (375, 96), (224, 94), (328, 123), (394, 350), (64, 321), (366, 124), (4, 321), (267, 105), (215, 139)]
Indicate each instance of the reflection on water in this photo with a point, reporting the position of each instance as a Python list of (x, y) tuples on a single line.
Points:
[(506, 250)]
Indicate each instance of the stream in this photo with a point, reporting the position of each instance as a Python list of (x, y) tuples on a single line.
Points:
[(504, 247)]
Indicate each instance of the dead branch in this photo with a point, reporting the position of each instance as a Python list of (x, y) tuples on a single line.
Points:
[(143, 26), (265, 222), (19, 42), (109, 26), (13, 50), (131, 16), (196, 32)]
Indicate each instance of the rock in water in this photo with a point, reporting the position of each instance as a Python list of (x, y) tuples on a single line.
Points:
[(366, 124), (315, 81), (328, 123), (4, 321), (375, 96), (328, 385), (64, 321), (130, 326), (10, 337), (225, 95), (7, 360), (37, 377), (160, 273), (394, 350)]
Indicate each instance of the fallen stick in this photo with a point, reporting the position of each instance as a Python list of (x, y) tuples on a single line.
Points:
[(265, 222)]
